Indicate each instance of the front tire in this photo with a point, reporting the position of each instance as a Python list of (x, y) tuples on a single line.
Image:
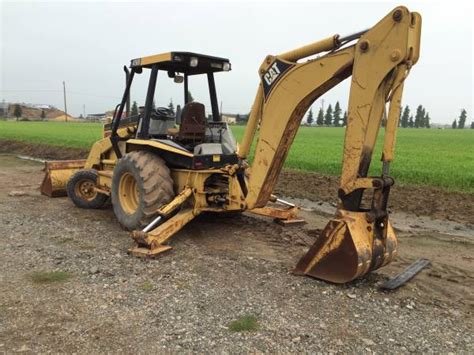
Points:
[(81, 189), (141, 184)]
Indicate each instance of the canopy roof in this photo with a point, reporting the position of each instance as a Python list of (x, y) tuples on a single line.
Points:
[(183, 62)]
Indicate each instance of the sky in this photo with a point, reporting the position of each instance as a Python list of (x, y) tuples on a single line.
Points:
[(87, 43)]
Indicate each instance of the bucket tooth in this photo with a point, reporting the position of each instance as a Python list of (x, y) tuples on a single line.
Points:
[(348, 248)]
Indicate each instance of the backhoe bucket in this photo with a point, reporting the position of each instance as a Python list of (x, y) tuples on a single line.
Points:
[(57, 174), (348, 248)]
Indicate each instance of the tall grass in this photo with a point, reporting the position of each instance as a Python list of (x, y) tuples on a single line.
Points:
[(65, 134), (435, 157)]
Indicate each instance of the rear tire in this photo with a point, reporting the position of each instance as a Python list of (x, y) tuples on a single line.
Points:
[(141, 184), (80, 189)]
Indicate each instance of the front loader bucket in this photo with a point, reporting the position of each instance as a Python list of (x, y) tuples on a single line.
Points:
[(57, 174), (348, 248)]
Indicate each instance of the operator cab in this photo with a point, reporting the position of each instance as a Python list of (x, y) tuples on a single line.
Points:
[(209, 140)]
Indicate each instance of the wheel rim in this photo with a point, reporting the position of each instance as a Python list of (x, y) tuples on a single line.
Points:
[(85, 189), (128, 193)]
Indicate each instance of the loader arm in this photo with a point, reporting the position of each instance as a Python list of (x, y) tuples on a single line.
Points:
[(358, 239)]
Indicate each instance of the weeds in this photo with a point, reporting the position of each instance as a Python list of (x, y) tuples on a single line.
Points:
[(147, 286), (246, 323), (43, 277)]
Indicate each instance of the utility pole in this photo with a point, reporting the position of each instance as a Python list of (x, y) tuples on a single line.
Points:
[(84, 111), (65, 106)]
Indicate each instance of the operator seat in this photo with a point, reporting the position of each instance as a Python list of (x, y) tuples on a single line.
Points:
[(193, 123)]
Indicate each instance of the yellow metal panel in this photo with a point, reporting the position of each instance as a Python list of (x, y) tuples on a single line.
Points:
[(157, 58), (98, 149), (386, 46), (282, 114), (159, 145)]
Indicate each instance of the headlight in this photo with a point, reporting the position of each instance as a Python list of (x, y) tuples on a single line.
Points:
[(193, 62), (226, 66), (136, 62)]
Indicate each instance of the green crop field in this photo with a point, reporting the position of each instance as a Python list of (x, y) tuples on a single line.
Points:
[(435, 157)]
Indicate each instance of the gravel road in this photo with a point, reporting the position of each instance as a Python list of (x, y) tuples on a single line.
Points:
[(221, 268)]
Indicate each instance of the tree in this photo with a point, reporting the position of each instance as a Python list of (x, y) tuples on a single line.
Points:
[(405, 117), (411, 123), (472, 125), (81, 117), (171, 106), (427, 120), (134, 110), (419, 117), (462, 119), (344, 119), (190, 97), (310, 118), (320, 119), (17, 112), (328, 116), (454, 125), (43, 115), (337, 115)]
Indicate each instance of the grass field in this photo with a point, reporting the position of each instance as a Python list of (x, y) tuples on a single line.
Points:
[(442, 158)]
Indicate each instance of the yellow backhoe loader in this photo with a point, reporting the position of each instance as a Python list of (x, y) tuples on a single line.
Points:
[(159, 178)]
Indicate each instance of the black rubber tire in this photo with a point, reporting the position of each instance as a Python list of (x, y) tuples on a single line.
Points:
[(89, 176), (154, 187)]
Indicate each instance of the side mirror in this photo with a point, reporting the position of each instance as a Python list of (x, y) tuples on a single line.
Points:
[(178, 79)]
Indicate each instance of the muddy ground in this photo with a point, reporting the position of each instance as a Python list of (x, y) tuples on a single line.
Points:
[(416, 200), (220, 269)]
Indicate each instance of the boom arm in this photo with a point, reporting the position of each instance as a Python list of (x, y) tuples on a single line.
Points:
[(378, 63)]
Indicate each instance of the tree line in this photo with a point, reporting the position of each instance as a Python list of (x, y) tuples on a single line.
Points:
[(461, 121), (421, 120), (332, 117), (335, 118)]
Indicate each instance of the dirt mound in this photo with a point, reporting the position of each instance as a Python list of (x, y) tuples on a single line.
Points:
[(41, 151), (419, 200), (33, 113)]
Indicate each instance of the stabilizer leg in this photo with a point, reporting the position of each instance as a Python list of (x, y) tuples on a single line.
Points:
[(284, 216), (150, 244)]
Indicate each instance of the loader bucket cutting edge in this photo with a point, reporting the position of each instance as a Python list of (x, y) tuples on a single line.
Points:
[(57, 174), (347, 249)]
